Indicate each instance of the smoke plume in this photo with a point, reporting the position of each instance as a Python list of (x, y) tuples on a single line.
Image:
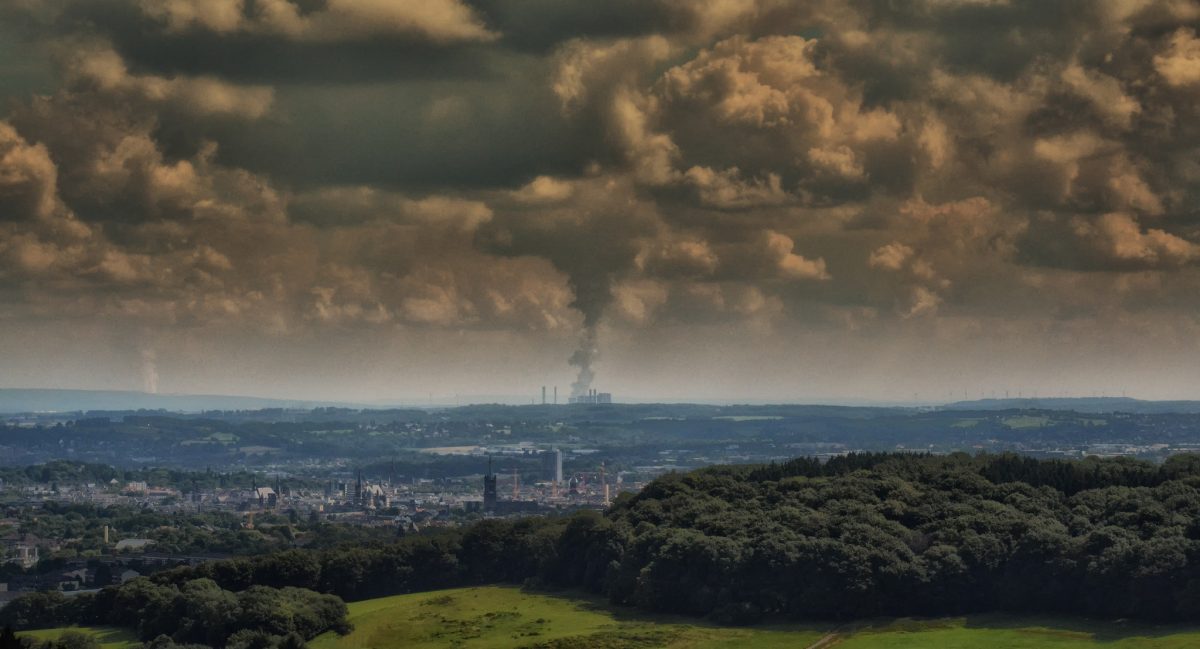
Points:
[(583, 358), (591, 279), (149, 372)]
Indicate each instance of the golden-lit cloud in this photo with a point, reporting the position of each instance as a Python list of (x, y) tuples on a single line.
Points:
[(865, 178), (337, 20)]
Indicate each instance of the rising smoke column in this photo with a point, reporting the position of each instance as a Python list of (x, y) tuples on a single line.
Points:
[(149, 371), (583, 358), (592, 286), (594, 248)]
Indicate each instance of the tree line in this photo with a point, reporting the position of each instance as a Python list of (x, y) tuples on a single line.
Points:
[(192, 612), (860, 536)]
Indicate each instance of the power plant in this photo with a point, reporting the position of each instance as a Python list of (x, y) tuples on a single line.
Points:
[(592, 397)]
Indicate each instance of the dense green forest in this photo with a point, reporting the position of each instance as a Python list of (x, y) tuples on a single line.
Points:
[(196, 611), (862, 535)]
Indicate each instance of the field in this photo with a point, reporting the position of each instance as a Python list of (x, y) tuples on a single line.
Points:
[(1015, 633), (1026, 421), (108, 637), (497, 617)]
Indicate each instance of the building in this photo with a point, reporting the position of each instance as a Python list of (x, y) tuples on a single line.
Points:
[(133, 544), (489, 489), (25, 556), (592, 397), (552, 466), (365, 494), (137, 487), (374, 497), (267, 498), (507, 507)]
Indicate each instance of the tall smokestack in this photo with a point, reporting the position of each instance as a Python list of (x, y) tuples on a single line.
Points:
[(556, 395), (543, 395)]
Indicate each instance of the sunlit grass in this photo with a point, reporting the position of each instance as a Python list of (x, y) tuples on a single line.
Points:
[(108, 637), (496, 616)]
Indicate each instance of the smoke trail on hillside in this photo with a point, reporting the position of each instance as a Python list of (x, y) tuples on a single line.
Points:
[(149, 371)]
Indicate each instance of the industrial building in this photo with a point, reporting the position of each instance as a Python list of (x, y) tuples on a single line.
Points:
[(592, 397)]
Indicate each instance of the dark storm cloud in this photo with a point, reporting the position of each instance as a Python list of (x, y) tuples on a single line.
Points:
[(580, 172), (418, 135), (251, 42), (228, 47), (539, 25)]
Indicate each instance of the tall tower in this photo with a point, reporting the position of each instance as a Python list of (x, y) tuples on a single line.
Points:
[(604, 483), (489, 489), (543, 395), (358, 492)]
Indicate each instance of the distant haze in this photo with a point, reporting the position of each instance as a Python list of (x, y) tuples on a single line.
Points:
[(406, 202)]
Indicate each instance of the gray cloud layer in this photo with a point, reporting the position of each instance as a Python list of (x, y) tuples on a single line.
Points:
[(788, 199)]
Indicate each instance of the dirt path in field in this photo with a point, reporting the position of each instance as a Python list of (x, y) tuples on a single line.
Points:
[(826, 640)]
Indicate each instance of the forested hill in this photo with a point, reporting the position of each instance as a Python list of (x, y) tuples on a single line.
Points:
[(860, 536), (902, 535), (1096, 405), (15, 400)]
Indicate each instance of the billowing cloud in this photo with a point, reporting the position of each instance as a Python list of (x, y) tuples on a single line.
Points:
[(595, 183), (1179, 64), (102, 70), (436, 20), (1120, 241), (28, 177), (789, 264)]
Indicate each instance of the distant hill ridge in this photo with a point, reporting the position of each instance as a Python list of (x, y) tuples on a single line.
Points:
[(18, 400), (1080, 404), (28, 400)]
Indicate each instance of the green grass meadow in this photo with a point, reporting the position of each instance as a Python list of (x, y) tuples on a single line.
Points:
[(503, 617), (496, 617), (108, 637), (998, 631)]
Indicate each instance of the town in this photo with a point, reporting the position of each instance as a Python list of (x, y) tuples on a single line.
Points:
[(94, 498)]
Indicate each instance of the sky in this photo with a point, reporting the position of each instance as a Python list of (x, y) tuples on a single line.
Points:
[(769, 200)]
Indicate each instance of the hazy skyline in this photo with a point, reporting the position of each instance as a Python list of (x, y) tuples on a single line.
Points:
[(381, 200)]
